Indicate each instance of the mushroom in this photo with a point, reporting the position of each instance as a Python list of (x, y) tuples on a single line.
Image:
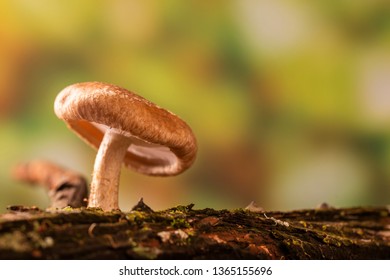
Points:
[(125, 128)]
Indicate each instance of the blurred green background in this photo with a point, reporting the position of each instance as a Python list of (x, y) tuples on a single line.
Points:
[(289, 100)]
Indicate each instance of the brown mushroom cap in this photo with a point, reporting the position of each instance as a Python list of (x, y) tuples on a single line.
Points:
[(162, 143)]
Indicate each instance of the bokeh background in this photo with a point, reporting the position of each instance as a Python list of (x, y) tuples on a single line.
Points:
[(289, 100)]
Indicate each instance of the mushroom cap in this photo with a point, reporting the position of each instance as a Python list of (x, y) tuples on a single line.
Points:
[(162, 143)]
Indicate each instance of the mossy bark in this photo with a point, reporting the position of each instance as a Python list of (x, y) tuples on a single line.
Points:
[(185, 233)]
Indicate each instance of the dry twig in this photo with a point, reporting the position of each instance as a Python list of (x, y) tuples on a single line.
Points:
[(65, 187)]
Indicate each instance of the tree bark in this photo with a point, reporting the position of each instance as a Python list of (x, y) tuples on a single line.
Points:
[(185, 233)]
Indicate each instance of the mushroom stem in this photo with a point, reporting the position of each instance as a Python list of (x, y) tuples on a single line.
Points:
[(107, 169)]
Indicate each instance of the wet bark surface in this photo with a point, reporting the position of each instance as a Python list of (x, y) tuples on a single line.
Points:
[(186, 233)]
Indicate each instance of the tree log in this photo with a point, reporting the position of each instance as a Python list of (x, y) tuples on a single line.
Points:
[(186, 233)]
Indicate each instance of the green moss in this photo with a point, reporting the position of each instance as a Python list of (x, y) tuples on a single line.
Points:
[(145, 229), (297, 242), (359, 231), (68, 209), (181, 208), (180, 223), (332, 241), (303, 223), (135, 216), (146, 252)]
